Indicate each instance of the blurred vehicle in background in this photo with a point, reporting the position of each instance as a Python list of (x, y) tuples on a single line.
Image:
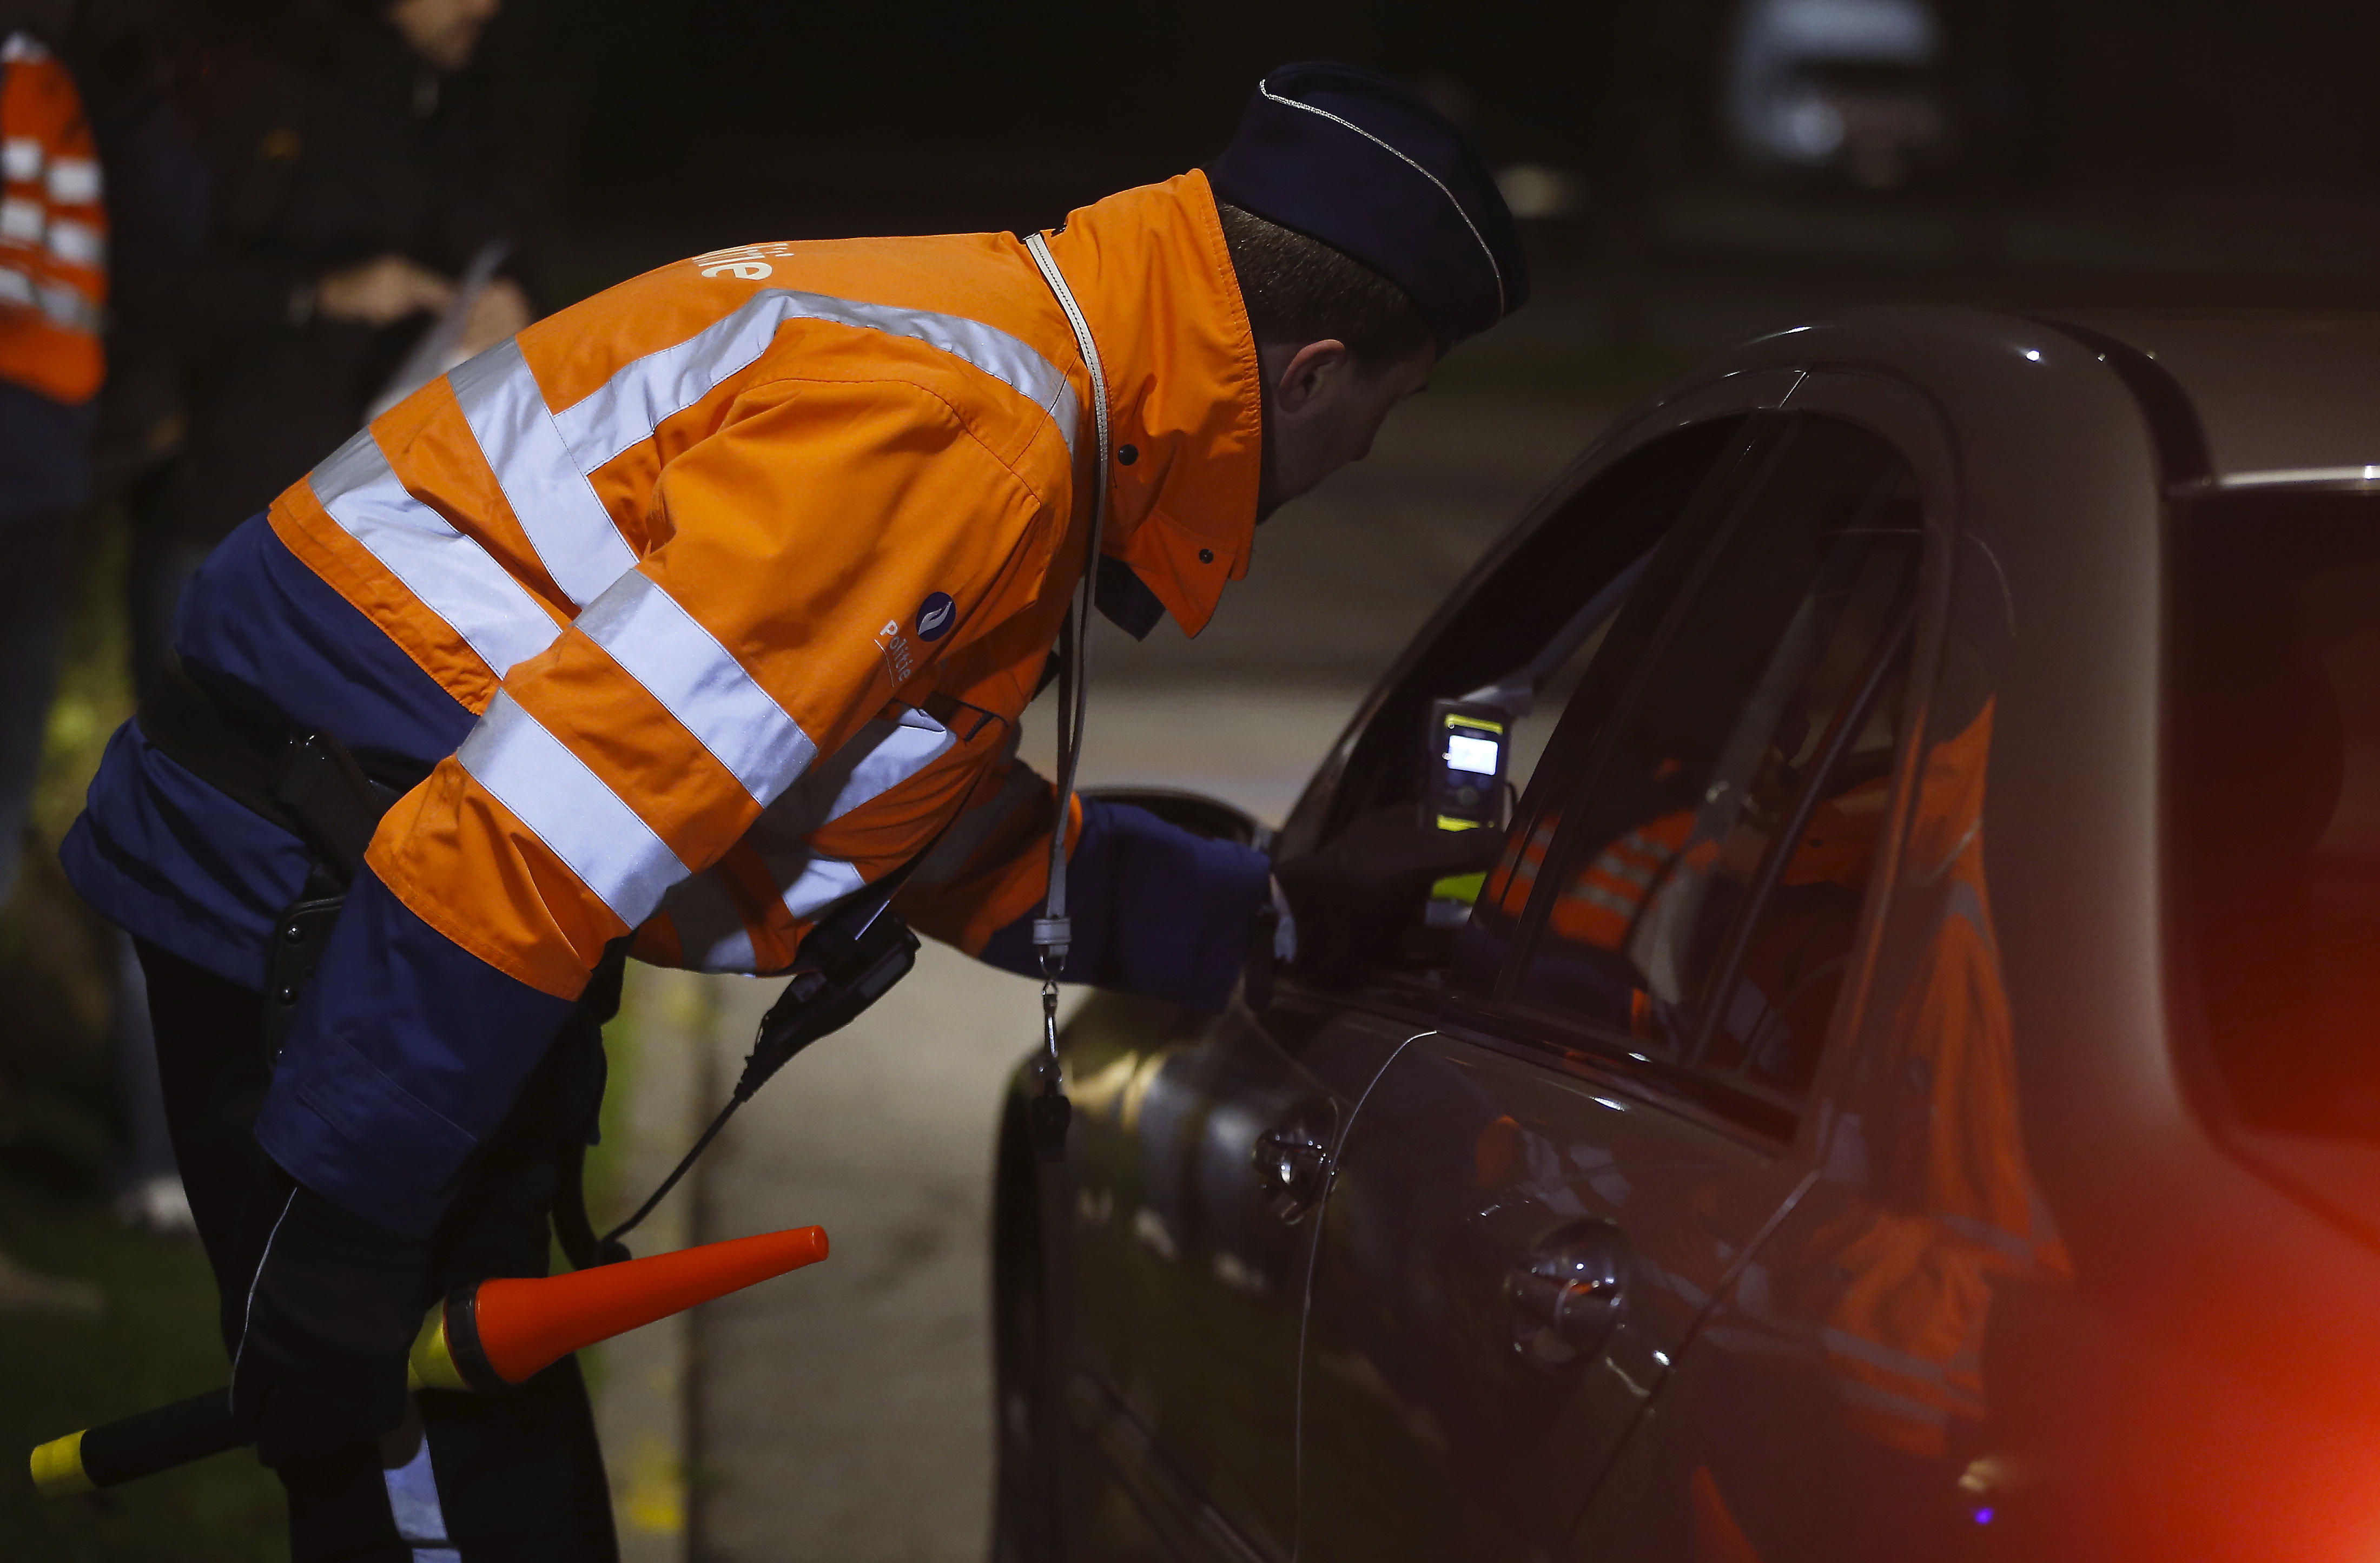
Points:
[(1850, 89), (1907, 1091)]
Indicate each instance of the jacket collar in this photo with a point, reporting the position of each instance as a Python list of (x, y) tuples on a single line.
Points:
[(1152, 275)]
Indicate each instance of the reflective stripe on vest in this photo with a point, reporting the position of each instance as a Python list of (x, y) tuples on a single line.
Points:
[(646, 392), (607, 844), (452, 575), (542, 460), (681, 665)]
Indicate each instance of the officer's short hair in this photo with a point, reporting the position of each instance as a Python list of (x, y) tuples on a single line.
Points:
[(1300, 289)]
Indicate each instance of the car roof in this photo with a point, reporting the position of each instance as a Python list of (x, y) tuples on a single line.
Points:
[(2277, 392)]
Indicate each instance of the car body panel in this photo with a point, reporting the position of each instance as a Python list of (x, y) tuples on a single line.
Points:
[(1426, 1375), (1189, 1274), (2273, 392)]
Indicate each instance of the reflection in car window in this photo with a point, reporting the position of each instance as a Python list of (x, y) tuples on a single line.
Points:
[(1533, 731), (2272, 774), (1788, 961), (1751, 770)]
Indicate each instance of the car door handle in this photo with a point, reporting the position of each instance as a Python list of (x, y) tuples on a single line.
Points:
[(1566, 1296), (1292, 1168)]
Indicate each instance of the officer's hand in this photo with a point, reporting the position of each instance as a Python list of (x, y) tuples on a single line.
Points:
[(332, 1312), (1358, 892)]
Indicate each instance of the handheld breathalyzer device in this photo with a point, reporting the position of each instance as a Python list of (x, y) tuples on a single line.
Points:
[(1463, 787), (1466, 746)]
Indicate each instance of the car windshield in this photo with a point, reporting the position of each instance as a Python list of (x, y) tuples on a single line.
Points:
[(2273, 764)]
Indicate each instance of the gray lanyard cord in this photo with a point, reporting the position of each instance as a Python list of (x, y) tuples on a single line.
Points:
[(1054, 929)]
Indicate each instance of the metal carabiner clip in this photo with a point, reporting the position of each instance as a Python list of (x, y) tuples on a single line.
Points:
[(1048, 1114)]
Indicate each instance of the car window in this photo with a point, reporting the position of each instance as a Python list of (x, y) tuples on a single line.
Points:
[(1588, 543), (1522, 638), (2273, 822), (1711, 860)]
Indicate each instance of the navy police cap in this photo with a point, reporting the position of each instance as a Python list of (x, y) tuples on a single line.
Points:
[(1365, 164)]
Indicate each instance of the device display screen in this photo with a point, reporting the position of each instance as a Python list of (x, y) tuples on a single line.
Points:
[(1467, 751)]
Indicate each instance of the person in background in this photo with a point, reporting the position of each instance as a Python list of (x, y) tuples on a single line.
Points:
[(355, 163), (53, 293), (55, 227)]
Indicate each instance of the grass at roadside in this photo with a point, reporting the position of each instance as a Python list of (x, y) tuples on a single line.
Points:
[(153, 1339)]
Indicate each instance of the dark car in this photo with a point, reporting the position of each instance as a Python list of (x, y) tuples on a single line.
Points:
[(1910, 1089)]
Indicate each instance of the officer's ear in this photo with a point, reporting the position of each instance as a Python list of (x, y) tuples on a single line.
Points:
[(1309, 375)]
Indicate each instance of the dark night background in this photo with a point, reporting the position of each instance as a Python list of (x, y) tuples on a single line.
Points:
[(798, 119), (2192, 146), (2051, 154)]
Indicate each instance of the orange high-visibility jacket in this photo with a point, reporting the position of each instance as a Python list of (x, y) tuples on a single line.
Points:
[(751, 565), (52, 229), (702, 605)]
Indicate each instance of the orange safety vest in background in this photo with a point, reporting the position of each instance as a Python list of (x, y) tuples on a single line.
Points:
[(53, 230), (750, 566)]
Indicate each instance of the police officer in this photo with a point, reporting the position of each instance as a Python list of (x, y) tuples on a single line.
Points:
[(675, 625)]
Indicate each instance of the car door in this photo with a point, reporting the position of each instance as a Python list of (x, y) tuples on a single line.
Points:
[(1539, 1198), (1203, 1143)]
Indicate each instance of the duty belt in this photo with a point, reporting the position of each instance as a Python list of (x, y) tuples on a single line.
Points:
[(307, 783)]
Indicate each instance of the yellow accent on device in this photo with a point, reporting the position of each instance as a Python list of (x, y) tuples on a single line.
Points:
[(1463, 887)]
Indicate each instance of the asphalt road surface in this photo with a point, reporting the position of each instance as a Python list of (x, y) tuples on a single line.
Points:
[(845, 1412)]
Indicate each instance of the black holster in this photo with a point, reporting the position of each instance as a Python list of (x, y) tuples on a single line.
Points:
[(307, 784)]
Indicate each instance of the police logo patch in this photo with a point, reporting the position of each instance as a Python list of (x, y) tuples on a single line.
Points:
[(935, 615)]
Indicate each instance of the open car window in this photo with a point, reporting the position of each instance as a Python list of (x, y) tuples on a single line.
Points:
[(1694, 890), (1585, 543), (1526, 635)]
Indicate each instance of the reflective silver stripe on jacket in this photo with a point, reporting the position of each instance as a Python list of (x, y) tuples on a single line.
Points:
[(607, 844), (77, 244), (711, 931), (885, 752), (643, 395), (72, 181), (682, 666), (557, 508), (453, 576)]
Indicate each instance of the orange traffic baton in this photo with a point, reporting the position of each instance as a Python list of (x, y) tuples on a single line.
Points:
[(486, 1338)]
